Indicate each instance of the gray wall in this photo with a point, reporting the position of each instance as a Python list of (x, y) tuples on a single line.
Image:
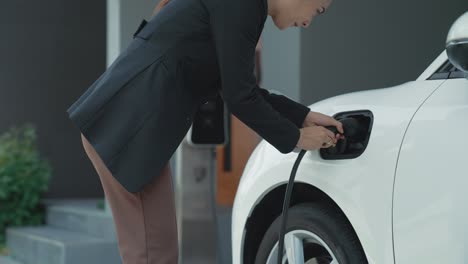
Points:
[(123, 18), (281, 70), (51, 51), (368, 44)]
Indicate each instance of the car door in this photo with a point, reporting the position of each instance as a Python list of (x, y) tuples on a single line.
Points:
[(430, 213)]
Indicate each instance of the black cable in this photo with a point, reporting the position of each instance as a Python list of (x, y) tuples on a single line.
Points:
[(287, 199), (352, 129)]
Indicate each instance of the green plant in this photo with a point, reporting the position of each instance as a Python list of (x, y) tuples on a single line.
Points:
[(24, 177), (4, 250)]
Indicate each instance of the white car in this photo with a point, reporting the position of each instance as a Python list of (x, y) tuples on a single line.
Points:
[(398, 194)]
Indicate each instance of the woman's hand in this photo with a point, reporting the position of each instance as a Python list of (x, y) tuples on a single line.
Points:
[(315, 137), (159, 6), (319, 119)]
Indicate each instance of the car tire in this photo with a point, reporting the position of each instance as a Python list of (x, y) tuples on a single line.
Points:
[(309, 221)]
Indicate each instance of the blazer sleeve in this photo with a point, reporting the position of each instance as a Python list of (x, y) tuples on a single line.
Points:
[(234, 27), (292, 110)]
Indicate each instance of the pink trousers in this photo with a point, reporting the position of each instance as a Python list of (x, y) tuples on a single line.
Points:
[(145, 222)]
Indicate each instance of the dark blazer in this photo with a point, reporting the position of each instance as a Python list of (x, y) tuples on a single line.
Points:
[(138, 111)]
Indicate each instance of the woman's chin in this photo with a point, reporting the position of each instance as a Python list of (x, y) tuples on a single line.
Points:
[(280, 26)]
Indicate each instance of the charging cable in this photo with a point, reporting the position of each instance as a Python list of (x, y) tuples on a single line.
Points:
[(287, 199), (348, 124)]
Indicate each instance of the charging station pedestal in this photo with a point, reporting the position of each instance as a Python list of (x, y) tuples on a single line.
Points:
[(194, 190), (195, 187)]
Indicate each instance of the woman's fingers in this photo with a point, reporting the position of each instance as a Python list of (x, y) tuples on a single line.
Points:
[(330, 136), (328, 144), (339, 126), (339, 136)]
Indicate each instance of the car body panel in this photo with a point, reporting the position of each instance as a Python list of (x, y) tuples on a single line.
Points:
[(430, 213), (362, 187)]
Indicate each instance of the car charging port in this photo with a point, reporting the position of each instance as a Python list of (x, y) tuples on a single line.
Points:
[(357, 126)]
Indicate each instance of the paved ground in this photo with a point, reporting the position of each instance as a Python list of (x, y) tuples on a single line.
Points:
[(201, 243)]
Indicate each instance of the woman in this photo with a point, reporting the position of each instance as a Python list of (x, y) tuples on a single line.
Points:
[(135, 115)]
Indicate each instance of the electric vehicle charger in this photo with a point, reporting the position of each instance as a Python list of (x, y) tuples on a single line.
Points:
[(351, 129)]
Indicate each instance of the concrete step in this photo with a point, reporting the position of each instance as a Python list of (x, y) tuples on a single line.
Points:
[(52, 245), (8, 260), (81, 215)]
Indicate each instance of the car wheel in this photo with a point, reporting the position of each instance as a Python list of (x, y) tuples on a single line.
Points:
[(315, 234)]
